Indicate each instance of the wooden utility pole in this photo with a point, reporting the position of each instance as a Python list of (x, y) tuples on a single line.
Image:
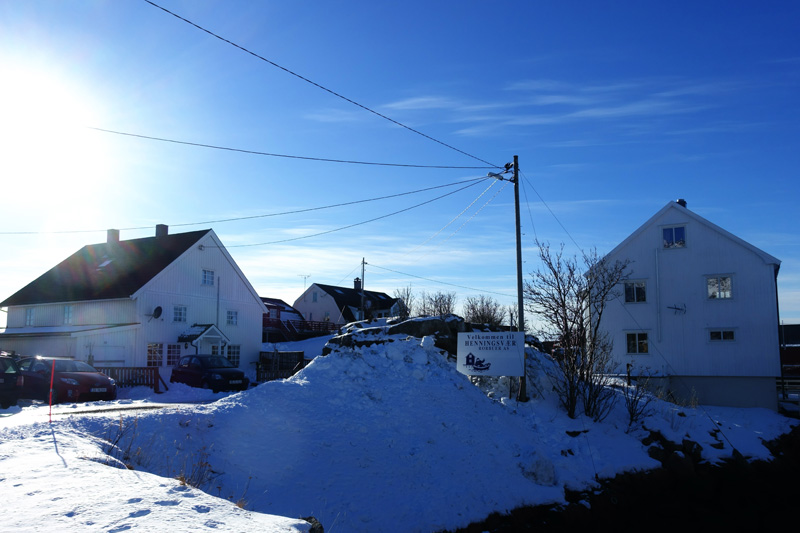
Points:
[(522, 394)]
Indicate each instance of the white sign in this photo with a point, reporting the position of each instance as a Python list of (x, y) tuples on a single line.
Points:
[(491, 354)]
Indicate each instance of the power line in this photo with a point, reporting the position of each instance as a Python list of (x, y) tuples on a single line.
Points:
[(315, 84), (440, 282), (287, 156), (236, 219), (356, 224)]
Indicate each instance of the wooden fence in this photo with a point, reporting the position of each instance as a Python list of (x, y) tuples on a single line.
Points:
[(134, 376), (279, 365)]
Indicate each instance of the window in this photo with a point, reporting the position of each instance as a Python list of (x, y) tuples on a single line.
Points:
[(635, 291), (214, 350), (718, 335), (67, 314), (233, 318), (234, 354), (637, 343), (314, 296), (674, 237), (173, 354), (30, 313), (719, 287), (179, 313), (155, 354), (208, 277)]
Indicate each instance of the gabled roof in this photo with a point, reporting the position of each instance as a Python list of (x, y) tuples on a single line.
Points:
[(767, 258), (344, 296), (106, 271)]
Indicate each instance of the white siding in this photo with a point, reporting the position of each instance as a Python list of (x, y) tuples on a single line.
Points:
[(676, 278)]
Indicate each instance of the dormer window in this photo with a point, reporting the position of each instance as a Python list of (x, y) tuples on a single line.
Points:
[(674, 237), (208, 277)]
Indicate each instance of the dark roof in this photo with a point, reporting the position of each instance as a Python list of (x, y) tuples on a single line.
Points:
[(346, 297), (105, 271)]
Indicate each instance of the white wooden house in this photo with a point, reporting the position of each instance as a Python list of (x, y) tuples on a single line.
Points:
[(341, 305), (139, 302), (699, 311)]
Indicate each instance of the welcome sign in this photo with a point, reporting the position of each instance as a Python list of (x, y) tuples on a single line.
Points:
[(491, 353)]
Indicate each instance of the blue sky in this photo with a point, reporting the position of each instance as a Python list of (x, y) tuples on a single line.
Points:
[(614, 108)]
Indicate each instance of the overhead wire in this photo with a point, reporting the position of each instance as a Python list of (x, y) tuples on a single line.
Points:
[(319, 86), (280, 241), (251, 217), (287, 156)]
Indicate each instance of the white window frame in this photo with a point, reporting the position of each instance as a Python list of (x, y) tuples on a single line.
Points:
[(30, 316), (235, 354), (719, 278), (673, 244), (155, 353), (232, 317), (635, 283), (179, 313), (731, 334), (638, 341), (208, 277), (173, 354), (68, 314)]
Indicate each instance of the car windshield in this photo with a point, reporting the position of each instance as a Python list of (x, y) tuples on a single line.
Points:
[(216, 361), (73, 366)]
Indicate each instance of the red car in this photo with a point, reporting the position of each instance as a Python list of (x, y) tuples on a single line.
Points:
[(74, 381)]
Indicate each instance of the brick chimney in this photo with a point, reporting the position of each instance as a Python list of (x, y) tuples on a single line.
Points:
[(162, 230), (112, 236), (357, 284)]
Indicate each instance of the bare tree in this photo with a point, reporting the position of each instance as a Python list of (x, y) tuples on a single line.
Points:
[(570, 297), (483, 310), (406, 301), (511, 310), (437, 304)]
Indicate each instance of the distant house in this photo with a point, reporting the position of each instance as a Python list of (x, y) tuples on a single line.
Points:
[(341, 305), (139, 302), (700, 311), (282, 322)]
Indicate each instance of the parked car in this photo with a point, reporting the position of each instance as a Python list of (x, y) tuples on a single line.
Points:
[(213, 372), (73, 381), (10, 382)]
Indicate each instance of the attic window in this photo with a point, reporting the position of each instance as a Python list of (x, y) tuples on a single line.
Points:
[(674, 237), (208, 277)]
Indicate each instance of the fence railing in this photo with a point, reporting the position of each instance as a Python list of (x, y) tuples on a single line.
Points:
[(279, 365), (134, 376)]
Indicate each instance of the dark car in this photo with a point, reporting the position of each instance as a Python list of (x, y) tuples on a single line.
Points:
[(73, 381), (10, 382), (213, 372)]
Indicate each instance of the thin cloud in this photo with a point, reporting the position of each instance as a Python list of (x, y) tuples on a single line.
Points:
[(423, 102)]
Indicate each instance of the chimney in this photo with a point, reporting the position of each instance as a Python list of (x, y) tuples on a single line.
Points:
[(357, 284), (681, 202), (162, 230), (112, 236)]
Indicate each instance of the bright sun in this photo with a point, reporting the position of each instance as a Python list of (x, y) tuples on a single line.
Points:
[(51, 161)]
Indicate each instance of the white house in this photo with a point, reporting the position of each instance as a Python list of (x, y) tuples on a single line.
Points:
[(700, 311), (341, 305), (139, 302)]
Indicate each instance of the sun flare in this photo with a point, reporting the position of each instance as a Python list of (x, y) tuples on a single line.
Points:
[(50, 158)]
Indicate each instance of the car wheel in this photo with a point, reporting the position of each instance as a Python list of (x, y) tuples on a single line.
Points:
[(54, 399), (205, 385)]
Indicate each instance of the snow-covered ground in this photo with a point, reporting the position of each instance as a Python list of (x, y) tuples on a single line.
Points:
[(383, 438)]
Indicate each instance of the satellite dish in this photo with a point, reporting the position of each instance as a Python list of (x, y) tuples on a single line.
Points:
[(157, 312)]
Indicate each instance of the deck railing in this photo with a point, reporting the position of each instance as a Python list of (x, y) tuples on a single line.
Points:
[(134, 376)]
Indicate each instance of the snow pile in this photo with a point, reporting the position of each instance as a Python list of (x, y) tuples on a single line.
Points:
[(386, 437)]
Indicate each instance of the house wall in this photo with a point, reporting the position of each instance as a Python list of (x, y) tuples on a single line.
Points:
[(317, 310), (678, 315), (60, 346), (83, 313), (180, 284)]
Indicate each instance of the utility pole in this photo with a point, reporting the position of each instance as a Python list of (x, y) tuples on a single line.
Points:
[(522, 394), (363, 311)]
